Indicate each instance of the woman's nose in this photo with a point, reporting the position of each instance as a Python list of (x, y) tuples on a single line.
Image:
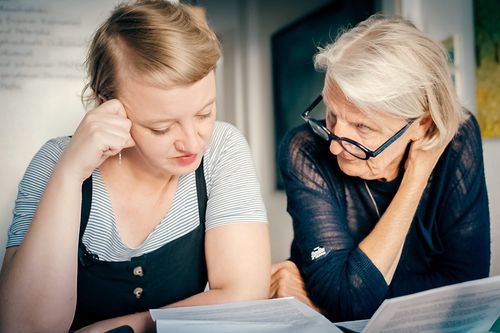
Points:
[(335, 146), (189, 139)]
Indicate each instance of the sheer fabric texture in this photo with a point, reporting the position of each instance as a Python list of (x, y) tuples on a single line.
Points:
[(448, 241)]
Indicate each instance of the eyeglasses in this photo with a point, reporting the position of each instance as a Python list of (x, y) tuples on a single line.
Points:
[(354, 148)]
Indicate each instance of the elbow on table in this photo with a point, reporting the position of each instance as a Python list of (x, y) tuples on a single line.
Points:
[(245, 290), (339, 310), (341, 301), (251, 291)]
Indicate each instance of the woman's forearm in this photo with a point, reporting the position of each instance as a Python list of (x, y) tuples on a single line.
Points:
[(42, 272), (218, 296), (383, 246)]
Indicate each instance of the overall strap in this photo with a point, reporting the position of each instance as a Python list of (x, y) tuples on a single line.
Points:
[(86, 203), (84, 256), (201, 191)]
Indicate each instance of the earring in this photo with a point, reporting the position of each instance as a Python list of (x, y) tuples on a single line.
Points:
[(120, 158)]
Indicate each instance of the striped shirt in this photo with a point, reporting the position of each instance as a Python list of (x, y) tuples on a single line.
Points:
[(232, 188)]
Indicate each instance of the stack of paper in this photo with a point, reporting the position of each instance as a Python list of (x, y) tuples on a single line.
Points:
[(472, 306), (282, 315)]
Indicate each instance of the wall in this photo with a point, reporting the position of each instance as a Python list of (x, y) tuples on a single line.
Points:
[(250, 24), (42, 47)]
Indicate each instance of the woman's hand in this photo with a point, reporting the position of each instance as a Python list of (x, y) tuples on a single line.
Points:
[(423, 161), (103, 132), (384, 245), (286, 281)]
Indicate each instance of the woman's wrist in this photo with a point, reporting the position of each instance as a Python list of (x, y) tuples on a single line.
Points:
[(68, 168), (63, 175), (143, 323), (416, 175)]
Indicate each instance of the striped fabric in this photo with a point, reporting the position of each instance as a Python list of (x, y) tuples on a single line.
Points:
[(232, 188)]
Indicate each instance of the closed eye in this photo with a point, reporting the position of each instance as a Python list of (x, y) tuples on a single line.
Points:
[(160, 131), (204, 115), (363, 127)]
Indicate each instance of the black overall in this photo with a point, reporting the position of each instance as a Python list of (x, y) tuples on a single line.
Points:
[(171, 273)]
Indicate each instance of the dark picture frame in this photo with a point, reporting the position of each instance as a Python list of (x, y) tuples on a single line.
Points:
[(295, 81)]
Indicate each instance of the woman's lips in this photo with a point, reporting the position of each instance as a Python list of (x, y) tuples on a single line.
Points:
[(344, 156), (186, 159)]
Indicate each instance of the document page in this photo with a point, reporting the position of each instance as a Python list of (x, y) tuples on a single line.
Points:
[(472, 306), (274, 315), (354, 326)]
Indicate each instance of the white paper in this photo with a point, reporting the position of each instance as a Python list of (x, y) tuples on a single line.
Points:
[(465, 307), (273, 316), (354, 325)]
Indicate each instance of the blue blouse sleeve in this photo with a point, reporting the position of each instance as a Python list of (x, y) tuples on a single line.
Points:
[(339, 277)]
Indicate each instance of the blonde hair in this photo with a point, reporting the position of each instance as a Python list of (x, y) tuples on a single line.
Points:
[(163, 43), (387, 65)]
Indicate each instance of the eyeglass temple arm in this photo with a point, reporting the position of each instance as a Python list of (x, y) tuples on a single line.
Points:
[(312, 106), (391, 139)]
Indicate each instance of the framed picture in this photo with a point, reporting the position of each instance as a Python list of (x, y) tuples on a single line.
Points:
[(487, 39), (295, 82), (449, 45)]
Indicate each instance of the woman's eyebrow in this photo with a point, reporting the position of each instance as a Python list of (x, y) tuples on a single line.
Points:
[(166, 121), (356, 119), (212, 101)]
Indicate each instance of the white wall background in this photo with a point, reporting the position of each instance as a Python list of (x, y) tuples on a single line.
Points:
[(42, 47), (48, 107)]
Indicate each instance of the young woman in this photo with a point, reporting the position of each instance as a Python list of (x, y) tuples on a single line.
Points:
[(150, 198)]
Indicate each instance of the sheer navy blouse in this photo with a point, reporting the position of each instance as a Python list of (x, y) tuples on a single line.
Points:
[(448, 241)]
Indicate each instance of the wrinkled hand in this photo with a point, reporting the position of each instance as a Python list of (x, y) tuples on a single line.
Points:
[(286, 281), (102, 133), (421, 161)]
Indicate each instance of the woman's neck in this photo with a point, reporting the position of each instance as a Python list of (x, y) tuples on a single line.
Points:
[(134, 173)]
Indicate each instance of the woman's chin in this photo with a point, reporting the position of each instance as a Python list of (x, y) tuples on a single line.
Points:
[(359, 169), (349, 168)]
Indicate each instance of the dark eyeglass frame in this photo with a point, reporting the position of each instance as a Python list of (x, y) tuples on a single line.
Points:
[(317, 125)]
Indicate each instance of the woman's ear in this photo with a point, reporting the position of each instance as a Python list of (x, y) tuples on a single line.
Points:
[(100, 99), (423, 126)]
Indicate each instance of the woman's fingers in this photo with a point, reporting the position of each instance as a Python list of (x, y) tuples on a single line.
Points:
[(424, 160), (286, 280), (102, 133), (130, 142), (113, 106)]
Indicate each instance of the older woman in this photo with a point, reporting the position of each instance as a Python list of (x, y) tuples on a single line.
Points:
[(148, 200), (387, 195)]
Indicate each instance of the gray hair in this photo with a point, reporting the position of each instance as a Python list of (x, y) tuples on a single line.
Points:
[(385, 64)]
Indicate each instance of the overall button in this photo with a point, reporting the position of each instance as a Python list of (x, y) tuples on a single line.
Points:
[(138, 292), (138, 271)]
